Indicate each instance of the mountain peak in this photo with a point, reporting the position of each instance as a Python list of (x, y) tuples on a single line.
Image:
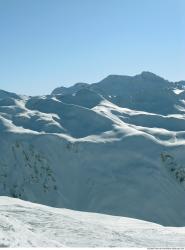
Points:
[(80, 84), (149, 75)]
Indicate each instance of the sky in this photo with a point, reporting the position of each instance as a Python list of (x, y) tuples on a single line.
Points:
[(45, 44)]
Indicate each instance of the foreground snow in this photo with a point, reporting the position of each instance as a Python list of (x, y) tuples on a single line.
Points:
[(25, 224)]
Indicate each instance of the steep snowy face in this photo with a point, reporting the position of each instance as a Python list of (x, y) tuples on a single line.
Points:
[(95, 150)]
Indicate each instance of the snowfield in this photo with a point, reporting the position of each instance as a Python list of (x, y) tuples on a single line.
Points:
[(25, 224), (114, 147)]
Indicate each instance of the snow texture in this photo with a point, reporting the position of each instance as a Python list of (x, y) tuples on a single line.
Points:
[(25, 224)]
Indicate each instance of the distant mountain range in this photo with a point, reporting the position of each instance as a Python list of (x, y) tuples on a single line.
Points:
[(146, 92), (115, 147)]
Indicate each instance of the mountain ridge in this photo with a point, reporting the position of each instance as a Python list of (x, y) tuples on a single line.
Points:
[(114, 150), (145, 74), (137, 92)]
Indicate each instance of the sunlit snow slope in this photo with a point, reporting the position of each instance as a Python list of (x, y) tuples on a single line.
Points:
[(114, 147), (25, 224)]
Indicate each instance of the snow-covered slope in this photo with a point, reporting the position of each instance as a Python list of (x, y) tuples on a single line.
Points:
[(93, 149), (25, 224)]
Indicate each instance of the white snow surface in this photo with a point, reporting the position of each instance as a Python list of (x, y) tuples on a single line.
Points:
[(25, 224), (82, 150), (178, 91)]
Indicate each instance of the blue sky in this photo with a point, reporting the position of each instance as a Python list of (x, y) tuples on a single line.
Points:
[(49, 43)]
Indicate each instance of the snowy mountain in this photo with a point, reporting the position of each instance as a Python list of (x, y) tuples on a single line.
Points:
[(114, 147), (25, 224), (146, 92)]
